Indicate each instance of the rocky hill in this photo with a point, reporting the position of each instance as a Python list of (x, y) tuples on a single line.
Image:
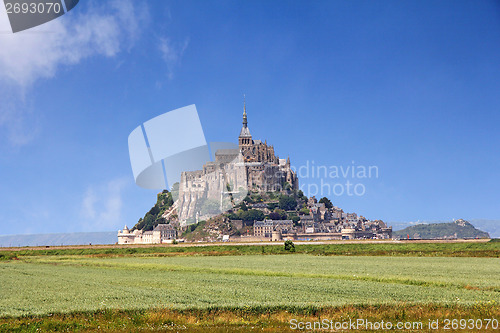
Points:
[(282, 206), (453, 230), (159, 213)]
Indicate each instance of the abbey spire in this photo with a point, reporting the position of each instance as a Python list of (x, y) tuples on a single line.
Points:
[(245, 122), (245, 136)]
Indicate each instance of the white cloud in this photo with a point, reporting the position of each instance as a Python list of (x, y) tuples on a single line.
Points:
[(101, 206), (171, 53), (37, 53), (17, 118)]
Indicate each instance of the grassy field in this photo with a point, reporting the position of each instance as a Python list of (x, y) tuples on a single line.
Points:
[(489, 248), (211, 288)]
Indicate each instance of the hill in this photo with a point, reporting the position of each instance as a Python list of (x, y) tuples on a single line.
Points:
[(159, 213), (458, 229), (280, 205)]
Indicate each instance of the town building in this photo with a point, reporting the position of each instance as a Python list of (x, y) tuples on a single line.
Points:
[(273, 229), (162, 233)]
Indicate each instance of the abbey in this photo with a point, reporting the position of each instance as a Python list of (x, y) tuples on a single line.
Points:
[(253, 167), (265, 171)]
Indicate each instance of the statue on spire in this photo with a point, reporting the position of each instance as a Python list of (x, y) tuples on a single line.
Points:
[(245, 122)]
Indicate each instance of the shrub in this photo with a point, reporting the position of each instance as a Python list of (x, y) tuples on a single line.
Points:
[(289, 246)]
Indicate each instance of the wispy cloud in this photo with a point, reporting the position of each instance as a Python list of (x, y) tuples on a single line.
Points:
[(172, 53), (17, 119), (101, 205), (38, 53)]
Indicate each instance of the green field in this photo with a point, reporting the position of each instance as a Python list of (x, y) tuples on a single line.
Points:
[(189, 279), (429, 249), (45, 285)]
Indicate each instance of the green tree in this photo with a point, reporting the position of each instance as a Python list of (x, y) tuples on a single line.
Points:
[(287, 203), (248, 199), (289, 246), (243, 206), (232, 216), (252, 215), (278, 214), (326, 201), (272, 205), (304, 211)]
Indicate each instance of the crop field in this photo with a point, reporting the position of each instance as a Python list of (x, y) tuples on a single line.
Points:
[(472, 248), (173, 288)]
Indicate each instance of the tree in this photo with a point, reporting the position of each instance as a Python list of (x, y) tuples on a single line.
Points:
[(248, 199), (327, 202), (272, 205), (257, 198), (243, 206), (232, 216), (304, 211), (278, 214), (252, 215), (274, 216), (170, 200), (289, 246), (287, 203)]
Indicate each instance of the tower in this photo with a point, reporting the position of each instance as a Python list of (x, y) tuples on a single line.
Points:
[(245, 138)]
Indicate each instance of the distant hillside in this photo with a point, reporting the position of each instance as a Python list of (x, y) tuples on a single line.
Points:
[(74, 238), (458, 229)]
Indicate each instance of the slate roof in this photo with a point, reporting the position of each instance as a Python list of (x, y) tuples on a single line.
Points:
[(245, 132)]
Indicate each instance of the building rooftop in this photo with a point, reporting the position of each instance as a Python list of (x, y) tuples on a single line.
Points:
[(227, 152), (245, 132), (267, 223), (163, 226)]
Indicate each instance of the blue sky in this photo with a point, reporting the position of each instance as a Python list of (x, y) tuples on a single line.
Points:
[(411, 87)]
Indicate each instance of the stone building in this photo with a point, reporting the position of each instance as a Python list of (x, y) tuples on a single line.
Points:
[(263, 228), (274, 229), (162, 233)]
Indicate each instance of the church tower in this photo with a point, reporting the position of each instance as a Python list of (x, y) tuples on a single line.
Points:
[(245, 139)]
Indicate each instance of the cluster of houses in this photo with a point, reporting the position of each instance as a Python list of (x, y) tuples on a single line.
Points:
[(321, 223), (277, 230)]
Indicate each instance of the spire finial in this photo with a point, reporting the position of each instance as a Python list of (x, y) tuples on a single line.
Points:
[(244, 111)]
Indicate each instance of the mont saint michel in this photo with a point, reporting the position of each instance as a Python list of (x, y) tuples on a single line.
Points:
[(251, 194)]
